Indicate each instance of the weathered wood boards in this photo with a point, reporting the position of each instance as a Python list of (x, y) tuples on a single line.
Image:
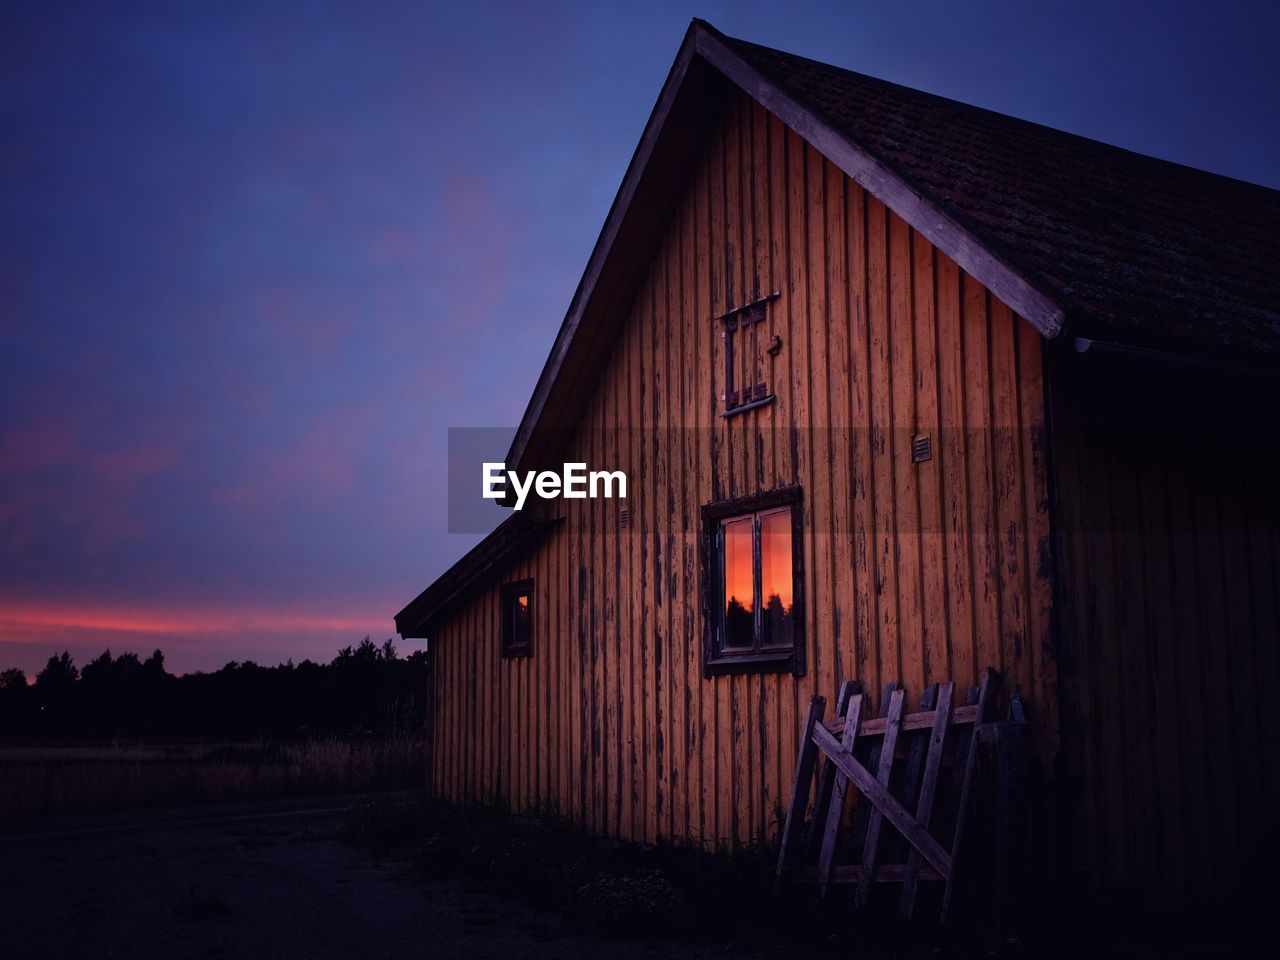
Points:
[(611, 722), (862, 745), (1159, 576)]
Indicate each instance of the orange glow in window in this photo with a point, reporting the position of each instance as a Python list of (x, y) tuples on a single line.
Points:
[(739, 585)]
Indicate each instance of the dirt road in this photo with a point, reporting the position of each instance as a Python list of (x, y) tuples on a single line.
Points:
[(252, 880)]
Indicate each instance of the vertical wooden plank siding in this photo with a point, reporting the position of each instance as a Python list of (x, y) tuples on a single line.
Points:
[(915, 573), (1168, 515)]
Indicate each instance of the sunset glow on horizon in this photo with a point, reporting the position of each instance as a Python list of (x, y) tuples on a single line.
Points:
[(190, 639), (170, 621)]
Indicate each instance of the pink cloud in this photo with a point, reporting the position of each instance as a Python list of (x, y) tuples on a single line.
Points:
[(318, 467), (145, 620), (47, 442), (192, 639), (66, 477)]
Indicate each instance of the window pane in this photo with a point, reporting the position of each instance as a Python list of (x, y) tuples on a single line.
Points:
[(520, 621), (776, 581), (739, 586)]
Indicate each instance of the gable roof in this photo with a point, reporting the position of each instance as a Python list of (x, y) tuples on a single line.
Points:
[(1075, 235), (1069, 232)]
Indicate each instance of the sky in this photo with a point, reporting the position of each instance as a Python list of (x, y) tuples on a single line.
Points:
[(256, 259)]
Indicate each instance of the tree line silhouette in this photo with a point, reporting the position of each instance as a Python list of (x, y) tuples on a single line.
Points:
[(739, 623), (367, 690)]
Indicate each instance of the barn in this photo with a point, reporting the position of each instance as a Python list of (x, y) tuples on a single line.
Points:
[(904, 389)]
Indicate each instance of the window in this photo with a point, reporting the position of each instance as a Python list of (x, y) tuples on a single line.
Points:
[(753, 596), (517, 619), (746, 341)]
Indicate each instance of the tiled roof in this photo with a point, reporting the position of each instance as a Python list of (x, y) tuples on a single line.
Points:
[(1138, 250)]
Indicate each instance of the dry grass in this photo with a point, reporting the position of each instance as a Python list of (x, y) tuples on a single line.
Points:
[(43, 779)]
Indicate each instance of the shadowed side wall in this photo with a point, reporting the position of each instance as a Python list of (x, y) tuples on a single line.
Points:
[(914, 572), (1167, 480)]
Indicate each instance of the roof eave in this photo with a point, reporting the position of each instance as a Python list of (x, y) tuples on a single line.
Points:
[(604, 245), (495, 550)]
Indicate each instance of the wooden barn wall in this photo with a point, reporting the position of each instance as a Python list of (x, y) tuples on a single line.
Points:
[(915, 573), (1167, 480)]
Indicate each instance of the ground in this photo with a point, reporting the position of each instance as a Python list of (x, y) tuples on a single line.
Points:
[(300, 878), (266, 879)]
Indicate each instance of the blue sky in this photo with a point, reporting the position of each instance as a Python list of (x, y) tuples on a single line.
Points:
[(255, 259)]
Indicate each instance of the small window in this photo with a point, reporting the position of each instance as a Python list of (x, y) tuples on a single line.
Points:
[(746, 342), (517, 619), (753, 594)]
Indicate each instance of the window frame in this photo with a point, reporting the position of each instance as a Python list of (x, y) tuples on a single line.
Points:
[(509, 591), (739, 398), (715, 661)]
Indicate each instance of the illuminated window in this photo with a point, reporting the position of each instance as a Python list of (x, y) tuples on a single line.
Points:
[(517, 619), (752, 577)]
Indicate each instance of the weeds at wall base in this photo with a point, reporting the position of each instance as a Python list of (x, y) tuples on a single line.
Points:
[(629, 891)]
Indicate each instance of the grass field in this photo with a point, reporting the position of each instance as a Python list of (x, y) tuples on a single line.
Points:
[(49, 779)]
